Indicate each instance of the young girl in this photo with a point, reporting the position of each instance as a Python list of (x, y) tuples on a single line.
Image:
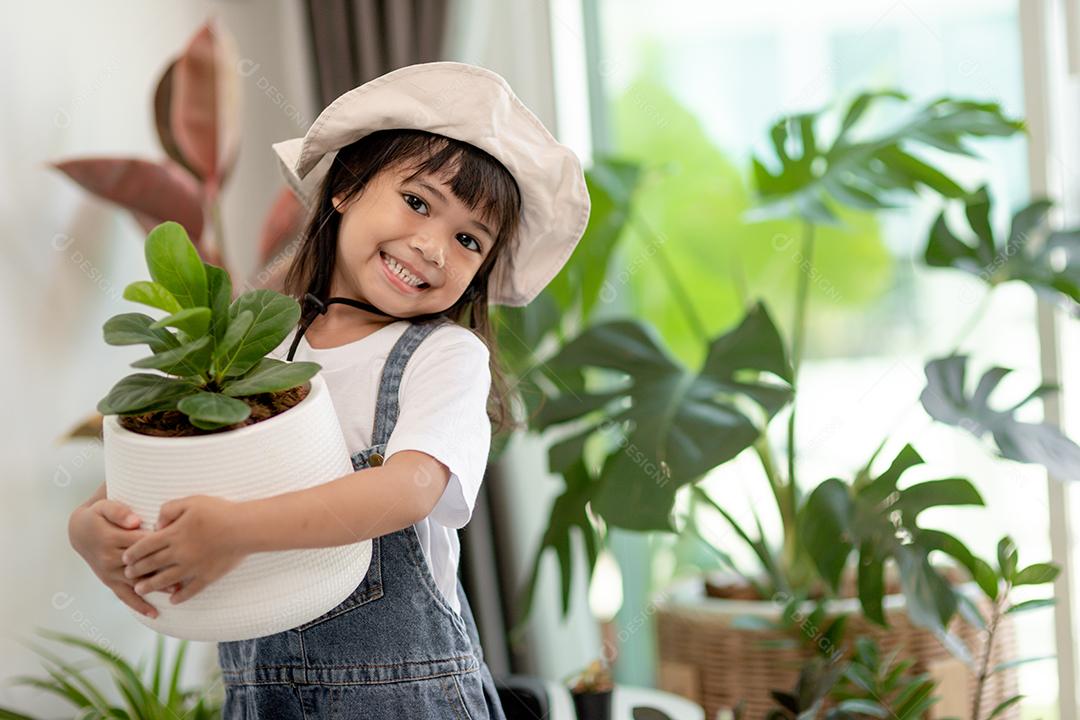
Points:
[(433, 191)]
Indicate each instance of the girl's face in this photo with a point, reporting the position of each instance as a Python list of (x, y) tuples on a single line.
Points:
[(408, 247)]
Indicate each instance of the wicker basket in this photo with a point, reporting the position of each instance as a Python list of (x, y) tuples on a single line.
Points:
[(703, 658)]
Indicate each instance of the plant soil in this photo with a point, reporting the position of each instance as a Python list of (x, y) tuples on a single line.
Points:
[(173, 423)]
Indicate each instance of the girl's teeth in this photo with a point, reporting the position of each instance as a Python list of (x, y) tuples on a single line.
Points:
[(401, 272)]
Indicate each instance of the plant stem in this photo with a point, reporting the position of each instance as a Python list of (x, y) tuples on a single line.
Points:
[(980, 681), (674, 284), (798, 331), (785, 498), (219, 234)]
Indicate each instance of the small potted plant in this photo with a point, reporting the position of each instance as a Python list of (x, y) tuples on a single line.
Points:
[(591, 689), (222, 419)]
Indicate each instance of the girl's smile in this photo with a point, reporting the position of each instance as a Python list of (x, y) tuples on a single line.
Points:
[(409, 247), (403, 276)]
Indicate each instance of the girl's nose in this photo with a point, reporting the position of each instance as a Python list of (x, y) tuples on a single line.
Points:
[(432, 252)]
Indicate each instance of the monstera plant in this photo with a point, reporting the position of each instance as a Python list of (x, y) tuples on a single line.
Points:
[(633, 427)]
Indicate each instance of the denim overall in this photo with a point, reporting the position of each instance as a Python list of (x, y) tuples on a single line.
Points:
[(393, 649)]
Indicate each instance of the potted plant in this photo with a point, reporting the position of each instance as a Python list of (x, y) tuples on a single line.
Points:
[(592, 688), (222, 419), (636, 426), (197, 115)]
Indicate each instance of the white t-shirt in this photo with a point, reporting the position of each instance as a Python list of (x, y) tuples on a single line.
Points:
[(442, 412)]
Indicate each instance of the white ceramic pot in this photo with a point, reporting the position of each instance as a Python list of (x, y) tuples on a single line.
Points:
[(267, 592)]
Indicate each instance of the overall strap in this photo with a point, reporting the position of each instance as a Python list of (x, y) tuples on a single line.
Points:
[(386, 406)]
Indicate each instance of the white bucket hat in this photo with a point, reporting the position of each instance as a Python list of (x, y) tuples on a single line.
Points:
[(474, 105)]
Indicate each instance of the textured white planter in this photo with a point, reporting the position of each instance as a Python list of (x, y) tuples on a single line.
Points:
[(267, 592)]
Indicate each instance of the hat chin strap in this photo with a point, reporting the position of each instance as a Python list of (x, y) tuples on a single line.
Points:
[(319, 307)]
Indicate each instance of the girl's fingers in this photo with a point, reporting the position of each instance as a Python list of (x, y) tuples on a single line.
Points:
[(118, 514), (148, 565), (187, 591), (160, 580), (131, 599), (144, 547)]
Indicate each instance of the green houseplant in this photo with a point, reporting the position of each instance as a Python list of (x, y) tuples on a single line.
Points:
[(214, 363), (636, 426), (153, 693), (186, 186), (221, 418)]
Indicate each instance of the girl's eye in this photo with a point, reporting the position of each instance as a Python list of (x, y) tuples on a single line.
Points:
[(409, 198), (474, 241)]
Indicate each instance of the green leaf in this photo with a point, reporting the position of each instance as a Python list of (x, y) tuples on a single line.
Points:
[(275, 315), (142, 391), (1032, 605), (219, 292), (194, 322), (152, 294), (946, 400), (236, 328), (936, 493), (1007, 558), (214, 408), (611, 184), (1002, 707), (189, 360), (137, 328), (825, 529), (675, 425), (175, 264), (1036, 574), (987, 578), (1048, 262), (930, 599), (810, 175), (871, 583), (758, 546), (567, 512), (270, 376), (863, 707), (1016, 662)]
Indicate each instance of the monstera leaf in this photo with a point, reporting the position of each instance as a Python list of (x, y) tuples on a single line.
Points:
[(568, 512), (1051, 268), (947, 401), (862, 174), (879, 521), (673, 425)]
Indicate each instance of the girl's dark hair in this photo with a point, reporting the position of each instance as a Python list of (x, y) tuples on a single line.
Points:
[(476, 178)]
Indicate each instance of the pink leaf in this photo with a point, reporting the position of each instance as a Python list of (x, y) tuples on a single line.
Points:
[(153, 192), (205, 107), (280, 241), (281, 225), (162, 118)]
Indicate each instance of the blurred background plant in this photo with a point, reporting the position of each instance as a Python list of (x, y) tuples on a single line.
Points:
[(197, 115), (632, 424), (149, 692)]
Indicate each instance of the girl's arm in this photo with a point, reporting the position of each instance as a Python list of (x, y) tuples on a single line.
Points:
[(359, 506), (201, 538)]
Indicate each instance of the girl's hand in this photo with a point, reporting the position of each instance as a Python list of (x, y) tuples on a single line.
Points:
[(196, 543), (100, 532)]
